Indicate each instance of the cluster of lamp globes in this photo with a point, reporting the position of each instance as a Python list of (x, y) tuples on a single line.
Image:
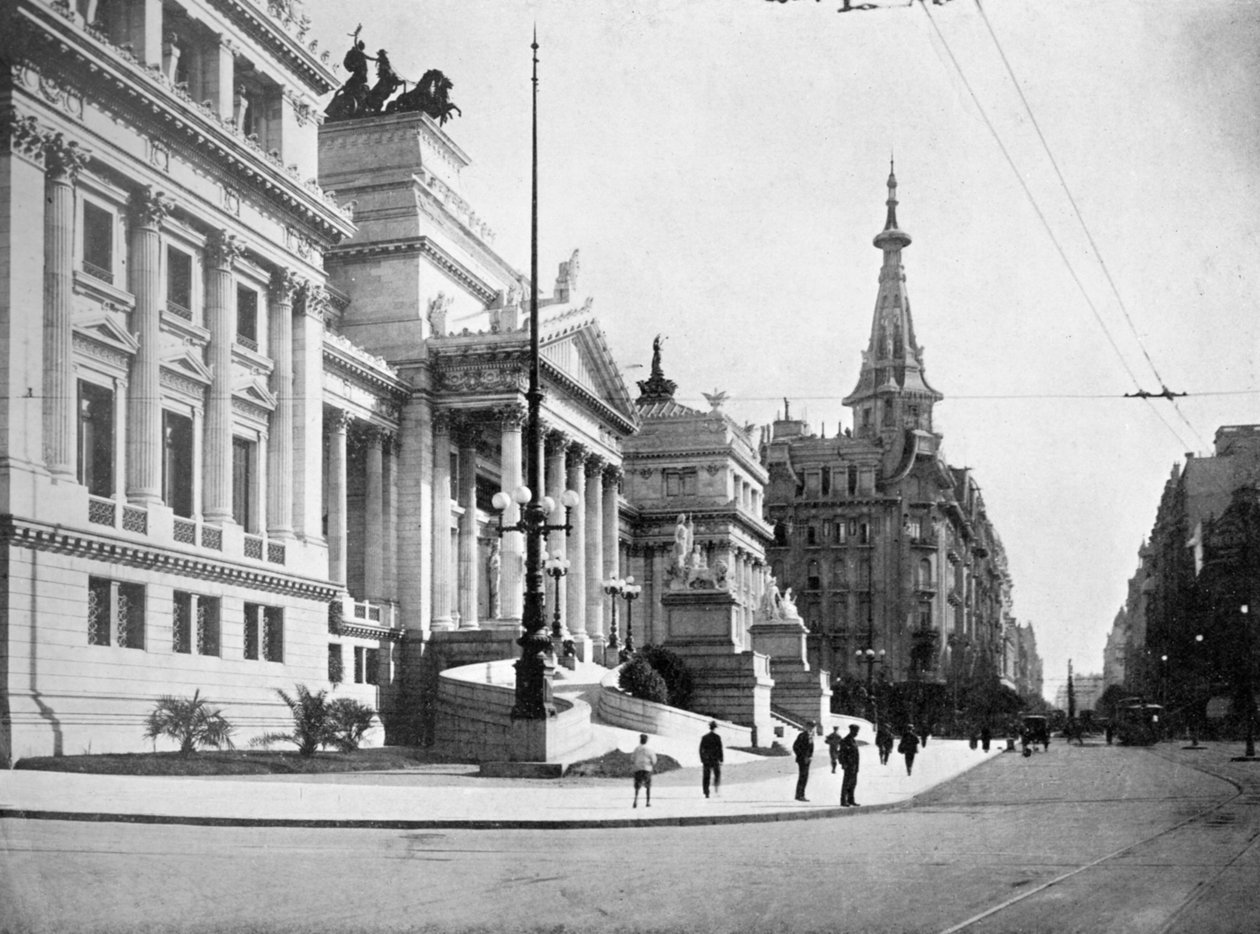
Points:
[(522, 496), (869, 655)]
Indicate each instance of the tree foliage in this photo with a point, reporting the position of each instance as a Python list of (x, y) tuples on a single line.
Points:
[(679, 682), (190, 722), (641, 680)]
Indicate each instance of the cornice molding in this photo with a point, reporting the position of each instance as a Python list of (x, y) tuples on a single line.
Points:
[(23, 533), (417, 246), (37, 37)]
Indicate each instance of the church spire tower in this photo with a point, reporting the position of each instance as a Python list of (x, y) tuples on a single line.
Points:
[(892, 394)]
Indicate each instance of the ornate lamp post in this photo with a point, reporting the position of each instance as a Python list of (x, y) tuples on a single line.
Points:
[(870, 658), (533, 688), (613, 587), (556, 567), (629, 592), (1248, 687)]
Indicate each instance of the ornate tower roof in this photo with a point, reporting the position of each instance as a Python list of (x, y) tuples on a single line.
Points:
[(892, 393)]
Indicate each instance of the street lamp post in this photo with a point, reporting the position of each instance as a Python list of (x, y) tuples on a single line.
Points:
[(613, 587), (1249, 706), (629, 592), (557, 566), (870, 658), (533, 687)]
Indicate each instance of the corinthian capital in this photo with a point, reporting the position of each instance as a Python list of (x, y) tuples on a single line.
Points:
[(21, 135), (63, 159), (511, 416), (149, 207), (314, 299), (284, 285), (222, 249)]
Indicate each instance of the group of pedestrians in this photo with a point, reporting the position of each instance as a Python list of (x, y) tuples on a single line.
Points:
[(843, 751)]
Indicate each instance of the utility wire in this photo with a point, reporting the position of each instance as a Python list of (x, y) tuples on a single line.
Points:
[(1042, 217), (1084, 227)]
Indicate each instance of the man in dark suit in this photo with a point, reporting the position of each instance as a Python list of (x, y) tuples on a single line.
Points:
[(711, 758), (803, 749), (849, 760)]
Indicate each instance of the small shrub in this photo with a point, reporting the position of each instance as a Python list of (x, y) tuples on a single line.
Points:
[(336, 665), (639, 679), (190, 722), (348, 720), (674, 671), (310, 722)]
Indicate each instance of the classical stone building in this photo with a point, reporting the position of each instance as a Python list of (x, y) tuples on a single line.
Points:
[(250, 439), (884, 545)]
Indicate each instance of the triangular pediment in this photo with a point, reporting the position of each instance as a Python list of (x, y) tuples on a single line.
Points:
[(102, 328), (187, 364), (254, 391), (580, 354)]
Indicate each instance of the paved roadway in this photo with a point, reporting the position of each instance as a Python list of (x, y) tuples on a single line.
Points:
[(1094, 838)]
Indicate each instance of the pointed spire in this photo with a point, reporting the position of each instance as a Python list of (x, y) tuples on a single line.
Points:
[(891, 237)]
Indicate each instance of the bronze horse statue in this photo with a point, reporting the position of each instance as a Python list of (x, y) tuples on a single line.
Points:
[(429, 96)]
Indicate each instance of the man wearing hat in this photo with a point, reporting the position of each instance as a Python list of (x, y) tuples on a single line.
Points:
[(711, 758), (849, 760), (803, 749)]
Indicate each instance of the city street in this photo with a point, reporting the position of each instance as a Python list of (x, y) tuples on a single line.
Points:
[(1090, 838)]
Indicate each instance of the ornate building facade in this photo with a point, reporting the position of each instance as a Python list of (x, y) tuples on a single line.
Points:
[(886, 547), (249, 438)]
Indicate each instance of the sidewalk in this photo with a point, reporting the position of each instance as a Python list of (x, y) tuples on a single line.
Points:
[(454, 796)]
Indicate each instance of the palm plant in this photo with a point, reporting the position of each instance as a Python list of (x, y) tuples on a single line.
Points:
[(348, 721), (310, 721), (190, 722)]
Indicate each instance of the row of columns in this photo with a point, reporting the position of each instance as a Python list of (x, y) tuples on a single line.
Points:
[(143, 445), (591, 546), (380, 498)]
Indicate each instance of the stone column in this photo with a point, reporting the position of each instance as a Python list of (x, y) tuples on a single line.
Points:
[(144, 439), (471, 570), (442, 521), (280, 438), (512, 575), (63, 161), (556, 446), (338, 422), (308, 414), (389, 518), (575, 598), (612, 525), (221, 252), (592, 566), (373, 517)]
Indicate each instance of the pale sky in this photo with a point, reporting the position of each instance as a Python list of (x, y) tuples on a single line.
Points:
[(721, 164)]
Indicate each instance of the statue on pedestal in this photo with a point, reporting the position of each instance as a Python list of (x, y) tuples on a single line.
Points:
[(494, 566)]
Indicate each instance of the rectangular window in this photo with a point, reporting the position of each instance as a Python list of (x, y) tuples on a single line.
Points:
[(358, 664), (179, 282), (826, 530), (98, 242), (372, 666), (811, 534), (335, 670), (864, 534), (99, 611), (207, 625), (680, 482), (273, 634), (853, 480), (177, 463), (252, 612), (247, 317), (242, 482), (812, 482), (925, 615), (841, 530), (181, 623), (913, 528), (826, 481), (96, 439), (115, 610)]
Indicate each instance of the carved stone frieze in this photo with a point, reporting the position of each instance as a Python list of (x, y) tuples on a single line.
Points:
[(231, 200), (315, 300), (21, 135), (159, 155), (443, 421), (480, 379)]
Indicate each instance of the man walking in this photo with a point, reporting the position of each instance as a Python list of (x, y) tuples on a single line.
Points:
[(833, 741), (849, 760), (883, 742), (909, 746), (803, 749), (711, 758), (644, 760)]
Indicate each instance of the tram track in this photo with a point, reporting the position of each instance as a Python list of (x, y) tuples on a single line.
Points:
[(1242, 795)]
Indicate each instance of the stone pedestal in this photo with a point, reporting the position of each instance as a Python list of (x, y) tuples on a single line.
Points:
[(703, 628), (799, 692)]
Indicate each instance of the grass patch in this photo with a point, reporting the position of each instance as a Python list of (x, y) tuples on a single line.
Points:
[(617, 764), (235, 762)]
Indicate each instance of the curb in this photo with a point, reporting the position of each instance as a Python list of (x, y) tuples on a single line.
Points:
[(455, 824)]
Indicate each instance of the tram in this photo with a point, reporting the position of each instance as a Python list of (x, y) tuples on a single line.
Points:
[(1137, 723)]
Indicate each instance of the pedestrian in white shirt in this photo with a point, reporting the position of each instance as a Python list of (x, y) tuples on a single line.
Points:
[(644, 760)]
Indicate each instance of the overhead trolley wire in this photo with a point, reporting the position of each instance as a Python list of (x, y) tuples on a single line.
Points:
[(1124, 310), (1044, 221)]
